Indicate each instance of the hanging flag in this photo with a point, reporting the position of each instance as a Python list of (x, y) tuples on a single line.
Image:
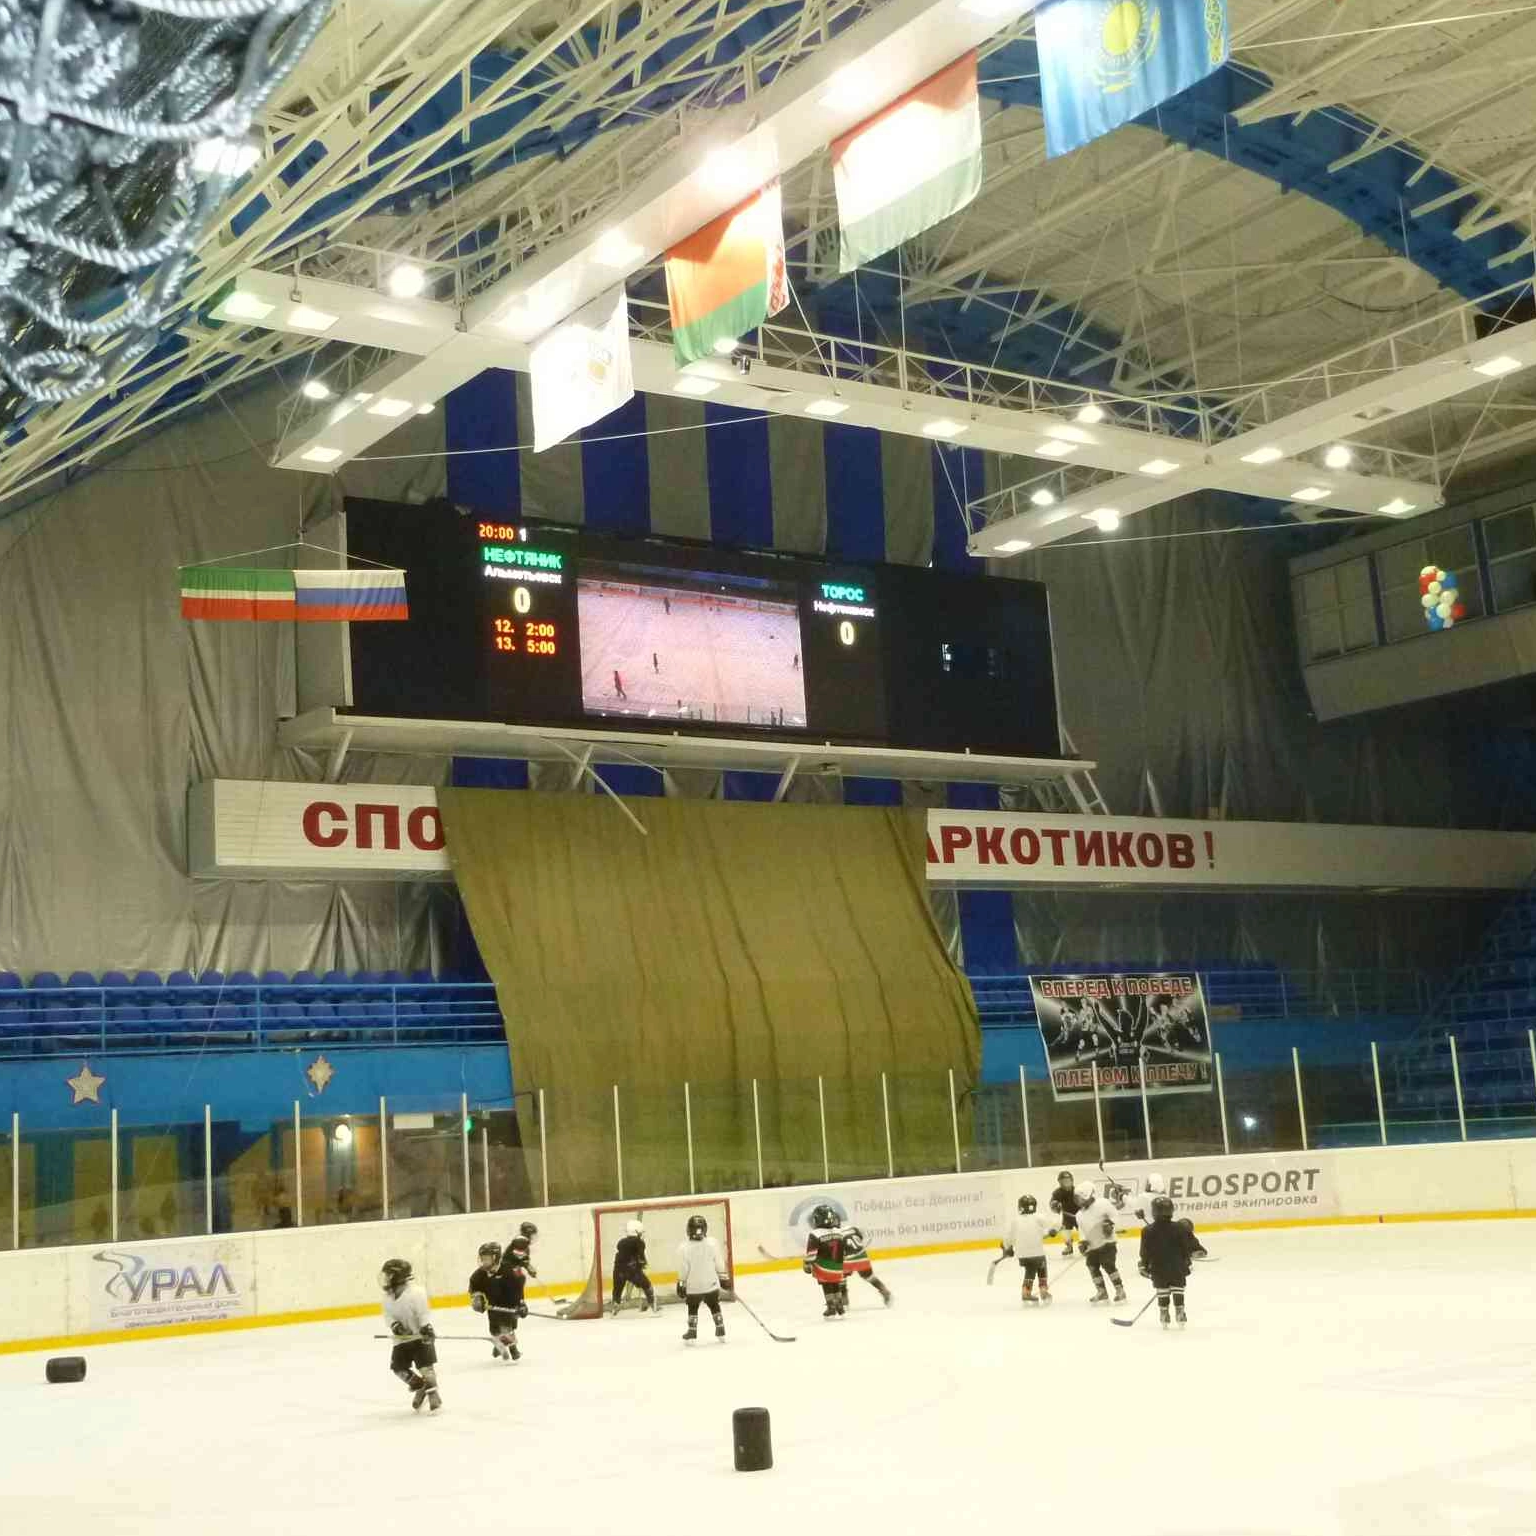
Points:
[(356, 595), (1103, 62), (727, 278), (909, 166), (231, 592), (581, 370)]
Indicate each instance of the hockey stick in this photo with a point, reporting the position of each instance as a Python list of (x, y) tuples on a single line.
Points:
[(992, 1267), (439, 1338), (778, 1338), (774, 1258), (1130, 1322)]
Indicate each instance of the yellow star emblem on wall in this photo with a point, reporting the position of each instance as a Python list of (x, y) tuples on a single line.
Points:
[(320, 1072), (85, 1085)]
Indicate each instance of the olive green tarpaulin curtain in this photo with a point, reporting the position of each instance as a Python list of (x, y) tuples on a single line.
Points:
[(731, 942)]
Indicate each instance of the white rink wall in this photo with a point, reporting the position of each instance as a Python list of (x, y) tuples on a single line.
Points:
[(187, 1284)]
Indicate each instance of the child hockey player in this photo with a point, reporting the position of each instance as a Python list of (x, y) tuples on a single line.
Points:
[(1026, 1237), (629, 1268), (1156, 1185), (1166, 1246), (523, 1243), (496, 1292), (856, 1262), (1064, 1203), (414, 1357), (1096, 1219), (824, 1259), (700, 1277)]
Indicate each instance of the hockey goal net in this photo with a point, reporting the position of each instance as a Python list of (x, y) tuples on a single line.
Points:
[(666, 1227)]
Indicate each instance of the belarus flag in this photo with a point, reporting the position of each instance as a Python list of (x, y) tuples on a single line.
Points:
[(909, 166), (727, 278)]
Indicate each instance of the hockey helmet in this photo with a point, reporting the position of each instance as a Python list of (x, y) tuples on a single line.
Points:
[(1162, 1208), (528, 1230), (395, 1276), (633, 1228), (490, 1255), (697, 1228), (1026, 1205), (824, 1216), (1064, 1177), (1087, 1193)]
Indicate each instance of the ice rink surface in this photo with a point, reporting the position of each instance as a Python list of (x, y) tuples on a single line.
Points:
[(1350, 1379)]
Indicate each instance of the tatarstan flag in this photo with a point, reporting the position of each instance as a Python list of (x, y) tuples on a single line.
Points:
[(235, 592), (728, 277), (910, 165)]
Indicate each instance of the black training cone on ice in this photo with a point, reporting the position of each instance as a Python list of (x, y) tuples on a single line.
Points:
[(754, 1442), (66, 1368)]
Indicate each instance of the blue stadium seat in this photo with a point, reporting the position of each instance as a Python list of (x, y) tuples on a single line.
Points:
[(286, 1021), (148, 979), (321, 1014), (211, 979), (81, 979), (46, 981), (305, 979), (243, 982), (425, 977), (109, 979), (10, 982), (274, 978)]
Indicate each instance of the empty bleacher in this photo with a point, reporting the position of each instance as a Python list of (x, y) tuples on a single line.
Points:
[(53, 1016)]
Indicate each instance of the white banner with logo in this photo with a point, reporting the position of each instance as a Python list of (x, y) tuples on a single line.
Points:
[(247, 828), (161, 1284), (1292, 1186), (912, 1213)]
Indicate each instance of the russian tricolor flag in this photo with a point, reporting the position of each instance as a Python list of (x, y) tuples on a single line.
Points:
[(354, 595)]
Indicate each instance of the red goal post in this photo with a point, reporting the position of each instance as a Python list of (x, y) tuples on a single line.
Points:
[(665, 1223)]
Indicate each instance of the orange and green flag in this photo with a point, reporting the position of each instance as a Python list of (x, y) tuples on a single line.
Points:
[(728, 277), (912, 164)]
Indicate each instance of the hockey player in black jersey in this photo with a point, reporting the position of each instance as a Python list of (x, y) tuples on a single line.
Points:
[(497, 1292), (1064, 1203), (824, 1248), (1166, 1248), (629, 1268), (523, 1245)]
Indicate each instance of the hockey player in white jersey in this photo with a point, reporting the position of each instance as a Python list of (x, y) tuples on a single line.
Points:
[(1154, 1186), (701, 1275), (1025, 1241), (1096, 1218), (409, 1315)]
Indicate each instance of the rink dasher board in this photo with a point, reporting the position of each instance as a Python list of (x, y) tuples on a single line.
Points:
[(327, 1273)]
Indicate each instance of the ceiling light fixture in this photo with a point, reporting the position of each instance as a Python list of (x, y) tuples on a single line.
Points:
[(1043, 497), (389, 405), (943, 426), (1340, 456), (1091, 414), (1107, 518), (314, 389), (725, 346), (826, 408), (615, 249), (302, 318), (362, 396), (225, 157), (1012, 547), (1396, 507), (695, 386), (851, 89), (243, 306), (725, 170), (1497, 367), (1055, 448), (1266, 455), (407, 280), (426, 408), (320, 455), (1310, 493), (1158, 467)]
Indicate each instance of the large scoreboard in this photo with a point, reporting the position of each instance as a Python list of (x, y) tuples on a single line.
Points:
[(544, 624)]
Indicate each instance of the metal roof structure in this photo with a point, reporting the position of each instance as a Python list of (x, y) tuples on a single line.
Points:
[(1354, 189)]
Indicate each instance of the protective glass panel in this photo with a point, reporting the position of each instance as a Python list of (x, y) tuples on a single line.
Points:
[(426, 1162), (1511, 533), (1262, 1115), (997, 1129), (1419, 1092), (654, 1142), (66, 1186), (1185, 1124), (8, 1208), (1497, 1085), (856, 1129), (724, 1136), (923, 1133), (793, 1148), (1062, 1132), (506, 1165), (343, 1169), (1340, 1096), (161, 1188), (253, 1183)]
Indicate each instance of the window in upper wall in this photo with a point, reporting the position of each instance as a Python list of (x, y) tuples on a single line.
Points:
[(1335, 612), (1511, 541), (1398, 570)]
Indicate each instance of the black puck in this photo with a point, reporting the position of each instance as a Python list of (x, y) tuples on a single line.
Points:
[(753, 1441), (66, 1368)]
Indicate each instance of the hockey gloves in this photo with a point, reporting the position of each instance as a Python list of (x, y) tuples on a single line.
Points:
[(428, 1332), (399, 1329), (522, 1309), (682, 1291), (477, 1301)]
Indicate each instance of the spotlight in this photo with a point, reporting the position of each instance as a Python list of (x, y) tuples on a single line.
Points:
[(315, 389), (1106, 518), (342, 1134), (1091, 414), (1043, 497), (1338, 456), (407, 280)]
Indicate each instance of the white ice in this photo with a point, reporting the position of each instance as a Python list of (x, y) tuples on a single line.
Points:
[(1338, 1380)]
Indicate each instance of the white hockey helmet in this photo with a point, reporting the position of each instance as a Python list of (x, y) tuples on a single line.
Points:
[(1156, 1184), (1087, 1193), (634, 1228)]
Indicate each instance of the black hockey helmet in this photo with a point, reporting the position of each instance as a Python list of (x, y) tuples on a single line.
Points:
[(1064, 1177), (1162, 1208), (395, 1276), (697, 1228), (824, 1216), (490, 1255), (528, 1230), (1026, 1205)]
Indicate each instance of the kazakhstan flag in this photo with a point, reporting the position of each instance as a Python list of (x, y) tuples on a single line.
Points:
[(1103, 62)]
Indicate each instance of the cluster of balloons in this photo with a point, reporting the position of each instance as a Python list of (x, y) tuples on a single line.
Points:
[(1441, 600)]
